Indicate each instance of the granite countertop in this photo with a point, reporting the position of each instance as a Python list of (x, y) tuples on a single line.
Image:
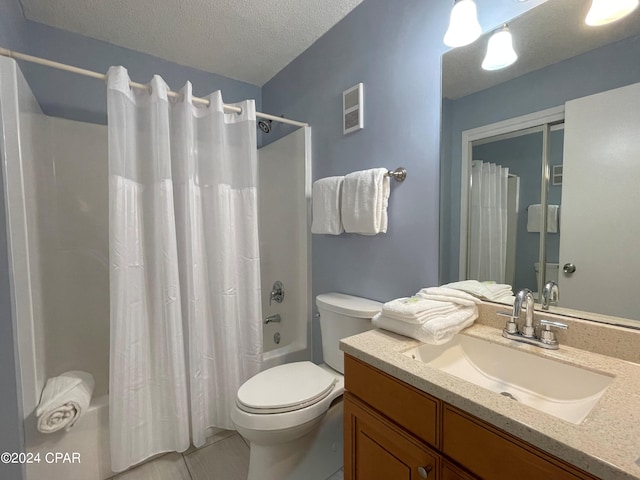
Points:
[(606, 444)]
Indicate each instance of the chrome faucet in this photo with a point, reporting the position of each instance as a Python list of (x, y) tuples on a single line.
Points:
[(550, 294), (527, 333), (524, 301)]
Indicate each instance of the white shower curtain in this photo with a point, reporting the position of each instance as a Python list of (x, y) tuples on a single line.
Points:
[(184, 267), (488, 222)]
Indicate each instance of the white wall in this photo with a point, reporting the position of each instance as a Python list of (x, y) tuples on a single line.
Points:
[(284, 174)]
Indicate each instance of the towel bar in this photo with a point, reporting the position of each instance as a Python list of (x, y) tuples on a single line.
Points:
[(398, 174)]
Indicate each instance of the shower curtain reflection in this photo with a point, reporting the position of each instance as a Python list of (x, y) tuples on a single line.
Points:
[(493, 197)]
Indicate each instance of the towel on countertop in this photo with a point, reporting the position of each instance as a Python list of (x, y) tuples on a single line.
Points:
[(365, 197), (416, 309), (534, 217), (452, 295), (436, 331), (484, 290), (64, 400), (327, 193)]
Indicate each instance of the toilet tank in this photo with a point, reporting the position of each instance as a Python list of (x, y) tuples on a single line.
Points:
[(342, 316), (551, 274)]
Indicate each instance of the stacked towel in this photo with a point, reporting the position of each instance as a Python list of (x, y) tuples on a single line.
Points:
[(431, 316), (64, 400), (365, 197), (452, 295), (494, 292), (327, 193), (415, 309), (437, 330)]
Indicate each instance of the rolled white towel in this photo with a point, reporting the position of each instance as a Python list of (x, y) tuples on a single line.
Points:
[(64, 400), (452, 295), (415, 309), (436, 331)]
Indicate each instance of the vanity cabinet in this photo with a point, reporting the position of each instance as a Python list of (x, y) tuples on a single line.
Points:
[(395, 431)]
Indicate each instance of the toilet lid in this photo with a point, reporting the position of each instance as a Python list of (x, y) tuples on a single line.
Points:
[(285, 388)]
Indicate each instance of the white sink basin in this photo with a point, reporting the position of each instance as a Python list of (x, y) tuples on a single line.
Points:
[(561, 390)]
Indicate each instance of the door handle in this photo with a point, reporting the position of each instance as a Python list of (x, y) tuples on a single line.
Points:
[(569, 268)]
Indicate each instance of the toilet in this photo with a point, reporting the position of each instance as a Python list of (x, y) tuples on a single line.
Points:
[(292, 414)]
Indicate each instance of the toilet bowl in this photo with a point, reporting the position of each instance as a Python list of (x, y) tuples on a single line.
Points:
[(292, 414)]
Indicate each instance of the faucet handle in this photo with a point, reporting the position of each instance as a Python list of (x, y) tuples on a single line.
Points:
[(548, 336), (511, 326), (549, 323)]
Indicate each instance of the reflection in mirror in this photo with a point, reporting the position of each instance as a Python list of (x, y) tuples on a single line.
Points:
[(556, 132), (505, 210)]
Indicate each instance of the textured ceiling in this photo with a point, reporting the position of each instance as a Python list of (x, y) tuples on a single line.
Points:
[(248, 40), (546, 34)]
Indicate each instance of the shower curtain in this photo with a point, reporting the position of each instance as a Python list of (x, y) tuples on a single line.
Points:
[(488, 222), (184, 266)]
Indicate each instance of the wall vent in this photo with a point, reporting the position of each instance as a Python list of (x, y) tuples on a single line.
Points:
[(556, 176), (352, 109)]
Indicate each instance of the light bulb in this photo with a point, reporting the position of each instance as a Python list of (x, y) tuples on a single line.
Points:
[(500, 52), (463, 25), (607, 11)]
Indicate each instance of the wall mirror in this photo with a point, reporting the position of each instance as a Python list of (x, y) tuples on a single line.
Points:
[(558, 132)]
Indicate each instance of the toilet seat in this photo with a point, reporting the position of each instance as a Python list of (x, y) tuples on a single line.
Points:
[(285, 388)]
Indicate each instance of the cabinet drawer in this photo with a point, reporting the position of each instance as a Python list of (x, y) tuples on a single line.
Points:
[(451, 472), (493, 454), (410, 408)]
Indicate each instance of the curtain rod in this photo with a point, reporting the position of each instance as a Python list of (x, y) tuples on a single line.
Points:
[(101, 76)]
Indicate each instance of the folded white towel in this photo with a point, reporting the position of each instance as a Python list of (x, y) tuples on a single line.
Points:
[(415, 309), (452, 295), (486, 291), (64, 400), (365, 197), (436, 331), (534, 218), (327, 196)]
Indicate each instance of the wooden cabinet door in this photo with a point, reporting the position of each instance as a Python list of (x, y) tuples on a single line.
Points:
[(375, 449)]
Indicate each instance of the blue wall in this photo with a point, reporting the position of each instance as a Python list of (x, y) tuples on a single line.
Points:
[(609, 67), (395, 49)]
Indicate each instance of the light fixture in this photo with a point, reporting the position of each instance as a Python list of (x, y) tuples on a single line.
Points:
[(607, 11), (463, 25), (500, 52)]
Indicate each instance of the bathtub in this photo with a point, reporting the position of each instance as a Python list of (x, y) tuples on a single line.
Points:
[(89, 438)]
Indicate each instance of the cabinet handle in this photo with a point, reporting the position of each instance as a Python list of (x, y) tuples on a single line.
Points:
[(424, 471)]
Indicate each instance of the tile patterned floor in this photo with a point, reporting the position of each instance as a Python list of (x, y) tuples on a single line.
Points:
[(224, 457)]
